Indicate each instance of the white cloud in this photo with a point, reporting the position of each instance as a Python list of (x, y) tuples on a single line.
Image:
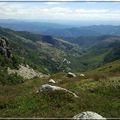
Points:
[(22, 11)]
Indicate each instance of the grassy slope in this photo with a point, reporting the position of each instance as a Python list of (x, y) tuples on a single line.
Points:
[(112, 67), (101, 96)]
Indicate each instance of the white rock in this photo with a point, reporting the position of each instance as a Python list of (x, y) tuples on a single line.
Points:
[(82, 75), (70, 74), (66, 61), (52, 81), (47, 87), (88, 115), (26, 72)]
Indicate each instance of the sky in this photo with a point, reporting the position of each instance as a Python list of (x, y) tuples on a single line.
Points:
[(61, 11)]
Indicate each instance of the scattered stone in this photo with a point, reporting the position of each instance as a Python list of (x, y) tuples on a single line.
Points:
[(82, 75), (70, 74), (52, 81), (88, 115), (47, 88), (66, 61)]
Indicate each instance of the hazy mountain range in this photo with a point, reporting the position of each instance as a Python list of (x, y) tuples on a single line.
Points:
[(85, 47), (60, 30)]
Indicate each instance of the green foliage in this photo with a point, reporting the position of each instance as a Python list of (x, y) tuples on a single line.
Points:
[(15, 62), (111, 68), (109, 88), (2, 61), (113, 55), (12, 79)]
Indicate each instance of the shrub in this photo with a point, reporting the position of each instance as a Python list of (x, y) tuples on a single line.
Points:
[(9, 79), (15, 79)]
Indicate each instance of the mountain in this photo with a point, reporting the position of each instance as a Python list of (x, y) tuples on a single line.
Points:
[(83, 51), (87, 54), (44, 53), (88, 41), (111, 68), (101, 52), (35, 27), (95, 30), (94, 61), (59, 30)]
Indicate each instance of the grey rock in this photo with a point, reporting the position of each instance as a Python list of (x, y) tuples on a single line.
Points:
[(47, 88), (70, 74), (82, 75), (88, 115), (52, 81)]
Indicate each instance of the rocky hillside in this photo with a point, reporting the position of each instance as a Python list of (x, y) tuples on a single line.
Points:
[(32, 49)]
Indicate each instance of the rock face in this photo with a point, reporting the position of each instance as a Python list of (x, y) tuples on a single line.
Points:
[(88, 115), (26, 72), (52, 81), (47, 88), (4, 47), (70, 74)]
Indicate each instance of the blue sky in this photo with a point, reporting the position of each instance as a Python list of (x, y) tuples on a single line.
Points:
[(64, 11)]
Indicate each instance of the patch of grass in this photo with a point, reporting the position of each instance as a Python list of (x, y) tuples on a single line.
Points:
[(100, 96), (9, 79), (109, 88), (113, 67)]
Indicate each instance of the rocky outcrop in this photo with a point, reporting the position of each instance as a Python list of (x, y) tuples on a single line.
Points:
[(70, 74), (4, 47), (88, 115), (47, 88), (26, 72)]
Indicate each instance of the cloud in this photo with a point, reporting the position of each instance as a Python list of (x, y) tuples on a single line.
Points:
[(27, 11), (52, 1)]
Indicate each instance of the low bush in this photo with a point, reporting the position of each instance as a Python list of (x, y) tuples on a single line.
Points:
[(10, 79)]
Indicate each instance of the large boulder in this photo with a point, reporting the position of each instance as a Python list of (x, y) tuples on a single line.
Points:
[(70, 74), (48, 88), (88, 115)]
